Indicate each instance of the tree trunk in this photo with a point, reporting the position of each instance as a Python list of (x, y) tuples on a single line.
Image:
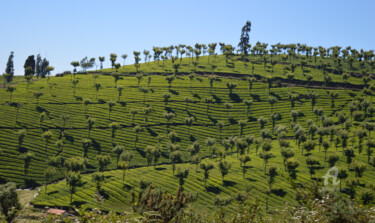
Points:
[(265, 167), (123, 177), (71, 197), (46, 148), (17, 114)]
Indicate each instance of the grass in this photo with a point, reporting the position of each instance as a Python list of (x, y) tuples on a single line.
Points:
[(237, 67), (118, 195), (59, 100), (26, 196), (63, 102)]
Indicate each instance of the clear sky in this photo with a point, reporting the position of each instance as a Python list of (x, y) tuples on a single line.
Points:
[(67, 30)]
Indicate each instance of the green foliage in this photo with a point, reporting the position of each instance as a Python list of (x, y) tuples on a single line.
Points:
[(9, 201), (180, 123)]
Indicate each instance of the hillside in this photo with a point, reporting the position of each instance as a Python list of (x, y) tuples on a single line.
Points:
[(208, 105)]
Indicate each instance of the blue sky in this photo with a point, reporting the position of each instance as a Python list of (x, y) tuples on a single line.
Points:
[(67, 30)]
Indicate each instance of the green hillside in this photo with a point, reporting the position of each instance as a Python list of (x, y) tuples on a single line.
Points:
[(210, 102)]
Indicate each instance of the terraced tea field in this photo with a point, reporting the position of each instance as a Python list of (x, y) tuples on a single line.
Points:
[(218, 112)]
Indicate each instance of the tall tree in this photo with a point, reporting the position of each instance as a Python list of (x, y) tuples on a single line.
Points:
[(103, 161), (243, 160), (75, 64), (101, 59), (9, 202), (98, 178), (114, 126), (37, 95), (38, 66), (245, 38), (224, 167), (73, 179), (97, 87), (10, 67), (113, 58), (43, 68), (47, 135), (206, 167), (30, 62), (48, 70), (182, 173), (49, 173), (10, 90), (87, 63), (124, 56), (137, 59)]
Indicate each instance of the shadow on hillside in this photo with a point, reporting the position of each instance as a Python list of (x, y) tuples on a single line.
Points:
[(123, 104), (275, 95), (229, 183), (192, 138), (191, 115), (40, 110), (103, 193), (101, 101), (69, 137), (177, 139), (141, 152), (30, 183), (78, 203), (251, 179), (255, 97), (164, 154), (82, 184), (196, 96), (78, 98), (127, 187), (96, 145), (169, 109), (215, 190), (89, 166), (22, 149), (2, 180), (151, 132), (108, 177), (232, 121), (174, 92), (160, 168), (22, 125), (279, 192), (216, 98), (52, 192), (213, 120), (235, 97)]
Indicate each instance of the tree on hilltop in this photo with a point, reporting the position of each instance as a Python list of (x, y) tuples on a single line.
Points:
[(10, 68), (101, 59), (113, 58), (124, 56), (245, 38)]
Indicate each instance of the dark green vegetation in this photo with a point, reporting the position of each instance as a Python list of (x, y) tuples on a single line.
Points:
[(221, 125)]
